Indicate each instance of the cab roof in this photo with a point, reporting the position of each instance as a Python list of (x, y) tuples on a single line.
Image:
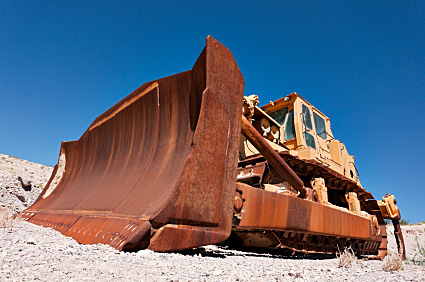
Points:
[(279, 103)]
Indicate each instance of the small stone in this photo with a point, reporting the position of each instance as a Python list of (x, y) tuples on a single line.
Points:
[(216, 272), (30, 241), (25, 183), (21, 198)]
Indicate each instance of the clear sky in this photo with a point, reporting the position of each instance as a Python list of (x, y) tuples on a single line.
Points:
[(362, 63)]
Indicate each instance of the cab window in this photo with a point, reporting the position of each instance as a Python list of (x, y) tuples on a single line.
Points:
[(289, 126), (320, 125), (279, 115), (306, 117), (309, 140)]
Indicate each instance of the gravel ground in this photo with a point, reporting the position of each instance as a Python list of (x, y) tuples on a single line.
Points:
[(29, 252)]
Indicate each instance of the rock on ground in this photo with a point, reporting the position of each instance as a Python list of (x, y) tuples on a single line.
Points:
[(29, 252)]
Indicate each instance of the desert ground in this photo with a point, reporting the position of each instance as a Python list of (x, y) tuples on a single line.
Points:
[(29, 252)]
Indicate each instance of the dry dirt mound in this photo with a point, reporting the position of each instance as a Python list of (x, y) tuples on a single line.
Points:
[(21, 182)]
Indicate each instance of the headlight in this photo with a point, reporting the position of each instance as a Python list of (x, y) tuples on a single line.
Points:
[(275, 132), (265, 126)]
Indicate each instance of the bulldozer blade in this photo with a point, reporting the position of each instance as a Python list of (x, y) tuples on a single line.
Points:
[(158, 169)]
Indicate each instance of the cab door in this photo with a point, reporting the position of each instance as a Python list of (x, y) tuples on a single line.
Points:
[(321, 136), (307, 128)]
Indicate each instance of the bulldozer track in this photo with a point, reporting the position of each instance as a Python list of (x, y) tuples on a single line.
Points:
[(296, 243)]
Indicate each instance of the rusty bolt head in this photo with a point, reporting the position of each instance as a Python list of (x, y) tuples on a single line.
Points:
[(238, 204)]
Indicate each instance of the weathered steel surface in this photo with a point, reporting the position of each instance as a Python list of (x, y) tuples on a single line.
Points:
[(251, 175), (158, 169), (264, 210), (272, 157)]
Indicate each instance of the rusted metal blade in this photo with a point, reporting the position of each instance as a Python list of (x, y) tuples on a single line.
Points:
[(156, 170)]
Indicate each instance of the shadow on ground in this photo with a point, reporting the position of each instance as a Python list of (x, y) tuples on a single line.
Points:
[(225, 251)]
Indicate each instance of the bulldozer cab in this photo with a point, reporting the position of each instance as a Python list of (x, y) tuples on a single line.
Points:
[(293, 124), (301, 124)]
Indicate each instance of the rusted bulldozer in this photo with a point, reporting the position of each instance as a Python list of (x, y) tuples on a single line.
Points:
[(187, 160)]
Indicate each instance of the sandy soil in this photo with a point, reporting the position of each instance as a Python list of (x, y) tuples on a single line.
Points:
[(30, 252)]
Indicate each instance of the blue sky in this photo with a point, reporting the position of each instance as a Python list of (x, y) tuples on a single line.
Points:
[(359, 62)]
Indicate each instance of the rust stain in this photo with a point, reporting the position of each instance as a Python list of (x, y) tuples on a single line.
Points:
[(125, 105)]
